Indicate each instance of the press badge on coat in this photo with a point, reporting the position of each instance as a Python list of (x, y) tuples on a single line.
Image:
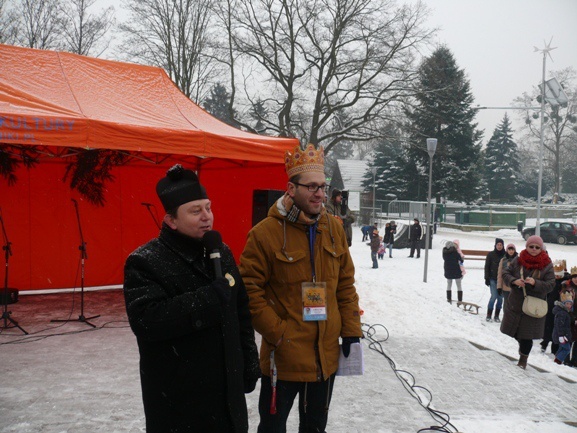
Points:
[(314, 301)]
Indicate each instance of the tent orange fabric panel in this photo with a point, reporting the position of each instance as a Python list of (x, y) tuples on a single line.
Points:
[(56, 100), (62, 99)]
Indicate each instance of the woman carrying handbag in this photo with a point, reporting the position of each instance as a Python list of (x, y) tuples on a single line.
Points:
[(531, 274)]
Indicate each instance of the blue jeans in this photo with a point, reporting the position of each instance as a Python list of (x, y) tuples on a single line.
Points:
[(494, 296), (390, 246), (563, 351), (374, 257)]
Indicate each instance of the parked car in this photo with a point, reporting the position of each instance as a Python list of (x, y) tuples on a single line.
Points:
[(554, 231)]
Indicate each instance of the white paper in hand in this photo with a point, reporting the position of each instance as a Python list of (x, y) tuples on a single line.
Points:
[(354, 364)]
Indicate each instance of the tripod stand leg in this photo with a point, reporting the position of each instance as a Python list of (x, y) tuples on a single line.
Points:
[(6, 317)]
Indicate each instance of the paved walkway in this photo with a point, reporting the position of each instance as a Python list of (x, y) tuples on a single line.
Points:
[(88, 382)]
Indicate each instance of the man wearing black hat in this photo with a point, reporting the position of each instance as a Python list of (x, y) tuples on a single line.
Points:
[(415, 235), (197, 350)]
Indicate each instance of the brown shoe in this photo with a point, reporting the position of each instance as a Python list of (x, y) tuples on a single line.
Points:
[(522, 361)]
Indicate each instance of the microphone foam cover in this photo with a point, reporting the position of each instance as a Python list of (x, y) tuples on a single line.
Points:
[(212, 240)]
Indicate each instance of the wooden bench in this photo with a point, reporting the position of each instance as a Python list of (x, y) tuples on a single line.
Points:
[(475, 254)]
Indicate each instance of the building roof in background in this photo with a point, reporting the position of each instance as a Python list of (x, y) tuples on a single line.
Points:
[(352, 173)]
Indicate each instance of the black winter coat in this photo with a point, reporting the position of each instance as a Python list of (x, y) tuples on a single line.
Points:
[(452, 259), (492, 264), (197, 357), (415, 232), (390, 235)]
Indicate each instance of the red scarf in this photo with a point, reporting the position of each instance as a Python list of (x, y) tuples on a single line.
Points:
[(534, 262)]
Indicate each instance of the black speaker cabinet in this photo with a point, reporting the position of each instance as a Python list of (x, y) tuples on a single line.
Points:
[(262, 200), (10, 297)]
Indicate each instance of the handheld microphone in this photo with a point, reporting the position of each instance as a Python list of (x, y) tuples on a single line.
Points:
[(212, 241)]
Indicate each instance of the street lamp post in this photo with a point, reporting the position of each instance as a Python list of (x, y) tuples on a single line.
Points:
[(431, 149), (374, 170)]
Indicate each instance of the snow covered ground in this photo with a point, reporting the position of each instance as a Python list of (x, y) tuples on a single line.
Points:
[(88, 382)]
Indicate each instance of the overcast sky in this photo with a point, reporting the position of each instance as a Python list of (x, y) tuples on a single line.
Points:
[(493, 40)]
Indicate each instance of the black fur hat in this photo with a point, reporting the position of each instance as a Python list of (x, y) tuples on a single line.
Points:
[(178, 187)]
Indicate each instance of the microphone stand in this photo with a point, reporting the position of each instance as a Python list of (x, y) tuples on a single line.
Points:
[(83, 257), (148, 205), (7, 253)]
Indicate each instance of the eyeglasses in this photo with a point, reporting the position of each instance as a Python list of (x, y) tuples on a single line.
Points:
[(534, 247), (313, 188)]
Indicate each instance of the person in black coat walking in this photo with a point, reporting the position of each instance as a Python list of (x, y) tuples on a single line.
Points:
[(415, 235), (389, 238), (491, 275), (198, 355), (453, 269)]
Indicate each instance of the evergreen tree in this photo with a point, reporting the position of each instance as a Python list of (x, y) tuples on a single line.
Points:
[(502, 163), (218, 104), (443, 111), (390, 158)]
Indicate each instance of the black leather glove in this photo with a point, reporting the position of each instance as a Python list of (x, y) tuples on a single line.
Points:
[(487, 283), (500, 292), (347, 341), (222, 289)]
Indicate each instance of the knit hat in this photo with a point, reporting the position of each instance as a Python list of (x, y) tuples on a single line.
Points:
[(512, 246), (304, 161), (416, 219), (573, 271), (534, 240), (178, 187), (499, 241)]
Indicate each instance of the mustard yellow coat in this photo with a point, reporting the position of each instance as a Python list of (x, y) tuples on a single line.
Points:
[(274, 264)]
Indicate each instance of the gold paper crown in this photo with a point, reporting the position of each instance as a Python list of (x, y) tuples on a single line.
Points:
[(574, 270), (559, 266), (303, 161)]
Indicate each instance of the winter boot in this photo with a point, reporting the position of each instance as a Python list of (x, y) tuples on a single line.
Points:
[(522, 361), (460, 295), (449, 295), (557, 361), (497, 312), (489, 314)]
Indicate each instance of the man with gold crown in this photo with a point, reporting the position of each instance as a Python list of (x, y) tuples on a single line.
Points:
[(300, 277)]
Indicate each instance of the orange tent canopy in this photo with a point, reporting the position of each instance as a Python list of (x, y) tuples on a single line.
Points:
[(57, 100), (62, 99)]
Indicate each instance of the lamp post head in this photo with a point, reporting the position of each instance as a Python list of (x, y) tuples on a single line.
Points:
[(431, 146)]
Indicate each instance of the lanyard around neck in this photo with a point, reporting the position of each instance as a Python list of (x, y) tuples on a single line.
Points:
[(312, 237)]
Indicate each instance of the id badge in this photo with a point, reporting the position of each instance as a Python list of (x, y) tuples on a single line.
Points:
[(314, 301)]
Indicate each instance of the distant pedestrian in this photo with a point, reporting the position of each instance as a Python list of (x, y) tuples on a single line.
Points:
[(452, 266), (340, 210), (562, 327), (375, 241), (381, 252), (415, 235), (491, 274), (561, 275), (365, 230), (531, 270), (510, 254), (461, 263), (389, 238), (571, 284)]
